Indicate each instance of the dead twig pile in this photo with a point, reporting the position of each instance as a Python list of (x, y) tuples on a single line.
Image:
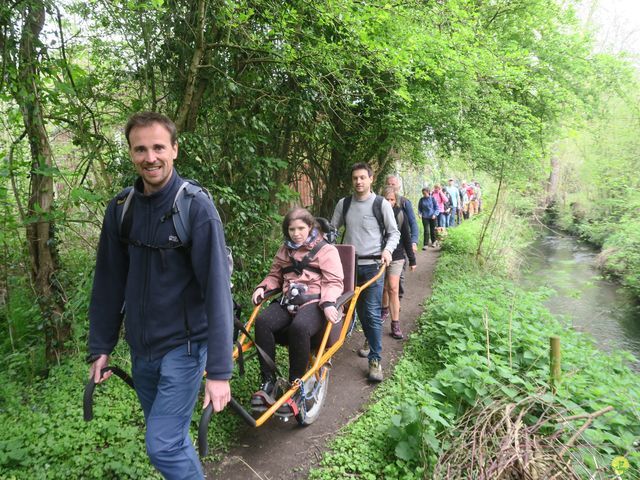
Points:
[(520, 440)]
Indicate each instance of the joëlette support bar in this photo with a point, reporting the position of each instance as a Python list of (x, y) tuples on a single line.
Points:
[(203, 444)]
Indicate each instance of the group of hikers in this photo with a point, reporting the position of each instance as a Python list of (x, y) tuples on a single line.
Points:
[(442, 207), (162, 259)]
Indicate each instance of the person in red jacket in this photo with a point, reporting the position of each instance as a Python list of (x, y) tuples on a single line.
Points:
[(309, 295)]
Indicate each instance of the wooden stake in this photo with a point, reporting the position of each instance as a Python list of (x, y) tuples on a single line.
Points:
[(485, 319), (555, 356)]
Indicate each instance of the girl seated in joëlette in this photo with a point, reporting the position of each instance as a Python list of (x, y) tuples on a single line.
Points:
[(309, 295)]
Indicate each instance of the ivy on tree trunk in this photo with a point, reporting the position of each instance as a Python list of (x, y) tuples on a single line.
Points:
[(40, 227)]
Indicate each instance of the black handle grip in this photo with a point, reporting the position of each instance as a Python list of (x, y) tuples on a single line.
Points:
[(203, 444), (87, 402), (370, 257), (271, 293), (344, 298)]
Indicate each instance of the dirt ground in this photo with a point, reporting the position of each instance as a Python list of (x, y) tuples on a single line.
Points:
[(280, 450)]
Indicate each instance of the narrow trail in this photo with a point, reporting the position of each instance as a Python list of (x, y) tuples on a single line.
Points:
[(279, 450)]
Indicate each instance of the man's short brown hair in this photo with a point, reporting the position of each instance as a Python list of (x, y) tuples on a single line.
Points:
[(362, 166), (144, 119)]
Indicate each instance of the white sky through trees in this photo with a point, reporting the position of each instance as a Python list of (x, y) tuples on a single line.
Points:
[(616, 24)]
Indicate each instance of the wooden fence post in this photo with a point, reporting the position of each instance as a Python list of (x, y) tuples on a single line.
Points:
[(555, 362)]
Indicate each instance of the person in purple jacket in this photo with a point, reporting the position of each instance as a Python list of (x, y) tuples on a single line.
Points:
[(179, 311)]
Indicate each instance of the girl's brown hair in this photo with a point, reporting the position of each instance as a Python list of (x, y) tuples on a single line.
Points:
[(297, 213)]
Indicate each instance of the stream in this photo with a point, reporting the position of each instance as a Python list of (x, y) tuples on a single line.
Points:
[(590, 303)]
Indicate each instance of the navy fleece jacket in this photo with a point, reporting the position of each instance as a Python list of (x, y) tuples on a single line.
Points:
[(172, 295)]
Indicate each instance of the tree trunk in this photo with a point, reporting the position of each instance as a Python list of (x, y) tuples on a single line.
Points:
[(191, 99), (40, 227), (487, 222), (554, 181)]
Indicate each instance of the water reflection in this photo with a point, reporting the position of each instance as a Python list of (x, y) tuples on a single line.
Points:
[(591, 303)]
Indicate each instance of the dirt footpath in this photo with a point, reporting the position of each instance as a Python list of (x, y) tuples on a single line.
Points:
[(279, 450)]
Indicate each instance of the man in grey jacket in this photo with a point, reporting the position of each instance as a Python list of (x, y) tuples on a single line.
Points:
[(371, 227)]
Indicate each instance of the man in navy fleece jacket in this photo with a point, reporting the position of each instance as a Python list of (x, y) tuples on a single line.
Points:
[(179, 313)]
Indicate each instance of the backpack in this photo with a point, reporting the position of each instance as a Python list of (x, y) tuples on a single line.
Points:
[(400, 219), (446, 204), (328, 230), (179, 213), (377, 212)]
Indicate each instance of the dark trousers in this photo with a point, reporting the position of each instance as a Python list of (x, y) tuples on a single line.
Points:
[(301, 327), (429, 225)]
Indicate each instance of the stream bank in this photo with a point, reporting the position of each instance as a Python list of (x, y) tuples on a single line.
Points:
[(580, 295)]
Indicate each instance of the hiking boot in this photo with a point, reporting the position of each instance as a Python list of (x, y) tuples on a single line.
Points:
[(263, 399), (364, 351), (424, 248), (385, 314), (375, 371), (395, 330)]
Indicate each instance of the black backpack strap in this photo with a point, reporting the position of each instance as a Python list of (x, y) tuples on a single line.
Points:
[(269, 362), (181, 206), (377, 212), (346, 204), (400, 219), (298, 266)]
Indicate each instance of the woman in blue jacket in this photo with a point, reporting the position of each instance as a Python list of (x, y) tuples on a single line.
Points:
[(428, 210)]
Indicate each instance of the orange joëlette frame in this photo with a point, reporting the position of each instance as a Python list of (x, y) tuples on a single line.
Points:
[(323, 355)]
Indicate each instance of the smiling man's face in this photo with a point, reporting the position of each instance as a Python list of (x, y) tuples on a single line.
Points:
[(153, 154)]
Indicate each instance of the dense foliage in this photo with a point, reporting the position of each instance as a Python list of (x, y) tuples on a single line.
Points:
[(597, 195), (45, 436), (270, 98), (489, 341)]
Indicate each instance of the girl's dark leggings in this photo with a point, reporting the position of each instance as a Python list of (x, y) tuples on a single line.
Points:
[(300, 328)]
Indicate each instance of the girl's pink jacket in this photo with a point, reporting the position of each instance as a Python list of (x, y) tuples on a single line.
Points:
[(329, 283)]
